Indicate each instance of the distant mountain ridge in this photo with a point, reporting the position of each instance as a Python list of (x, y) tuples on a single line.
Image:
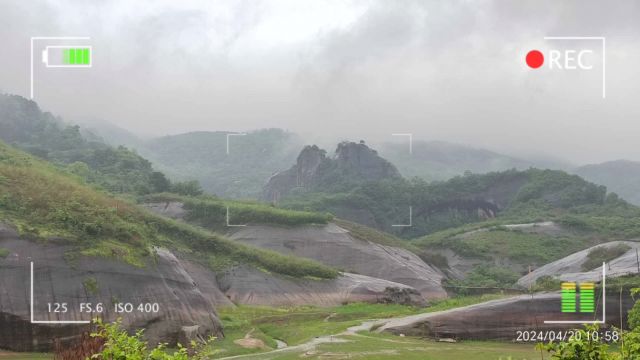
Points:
[(619, 176), (238, 170), (439, 160)]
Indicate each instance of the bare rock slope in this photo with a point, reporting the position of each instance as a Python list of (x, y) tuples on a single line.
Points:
[(569, 268), (332, 245), (59, 288), (186, 293)]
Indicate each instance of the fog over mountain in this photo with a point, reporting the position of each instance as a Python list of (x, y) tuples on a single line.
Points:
[(450, 71)]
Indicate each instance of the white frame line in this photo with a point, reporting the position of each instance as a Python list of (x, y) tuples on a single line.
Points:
[(410, 219), (232, 225), (50, 321), (233, 134), (410, 135), (49, 38), (604, 305), (604, 52)]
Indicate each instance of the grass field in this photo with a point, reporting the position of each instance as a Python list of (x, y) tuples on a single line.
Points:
[(365, 345), (297, 325)]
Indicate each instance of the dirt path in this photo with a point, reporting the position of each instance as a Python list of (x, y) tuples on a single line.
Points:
[(380, 325), (311, 344), (250, 342)]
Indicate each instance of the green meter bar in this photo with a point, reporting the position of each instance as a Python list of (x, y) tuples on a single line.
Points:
[(67, 56), (568, 297), (587, 297)]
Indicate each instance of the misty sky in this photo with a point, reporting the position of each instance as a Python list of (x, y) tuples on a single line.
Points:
[(442, 70)]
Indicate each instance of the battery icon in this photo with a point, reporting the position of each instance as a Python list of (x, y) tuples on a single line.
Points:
[(67, 56)]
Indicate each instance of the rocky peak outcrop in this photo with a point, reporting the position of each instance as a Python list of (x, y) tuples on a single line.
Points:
[(309, 160), (352, 163), (363, 161)]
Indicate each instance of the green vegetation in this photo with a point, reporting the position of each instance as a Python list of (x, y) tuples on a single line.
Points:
[(546, 283), (296, 325), (519, 246), (4, 252), (379, 237), (41, 202), (90, 285), (512, 195), (118, 344), (460, 301), (601, 254), (116, 169), (373, 346), (485, 276), (625, 282), (211, 212)]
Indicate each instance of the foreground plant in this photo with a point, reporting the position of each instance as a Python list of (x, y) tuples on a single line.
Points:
[(119, 345)]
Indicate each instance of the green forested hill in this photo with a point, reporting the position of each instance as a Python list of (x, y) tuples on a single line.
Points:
[(117, 169), (44, 202), (523, 195)]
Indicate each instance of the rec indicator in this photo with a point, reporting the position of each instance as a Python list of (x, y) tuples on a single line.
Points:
[(67, 56)]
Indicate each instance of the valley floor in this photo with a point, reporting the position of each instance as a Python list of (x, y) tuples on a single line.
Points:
[(340, 332), (343, 332), (366, 345)]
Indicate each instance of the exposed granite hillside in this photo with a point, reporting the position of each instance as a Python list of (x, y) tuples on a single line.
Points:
[(335, 246), (570, 268), (186, 292)]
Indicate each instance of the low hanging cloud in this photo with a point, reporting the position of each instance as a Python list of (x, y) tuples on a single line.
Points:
[(446, 70)]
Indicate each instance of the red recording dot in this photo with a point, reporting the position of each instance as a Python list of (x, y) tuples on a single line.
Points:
[(535, 59)]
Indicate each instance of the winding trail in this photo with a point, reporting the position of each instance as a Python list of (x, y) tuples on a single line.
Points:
[(380, 325), (311, 344)]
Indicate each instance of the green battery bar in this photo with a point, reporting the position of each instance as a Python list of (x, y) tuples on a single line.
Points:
[(568, 297), (76, 56), (587, 297)]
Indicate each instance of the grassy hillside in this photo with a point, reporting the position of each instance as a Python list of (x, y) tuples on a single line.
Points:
[(211, 212), (503, 252), (43, 202)]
